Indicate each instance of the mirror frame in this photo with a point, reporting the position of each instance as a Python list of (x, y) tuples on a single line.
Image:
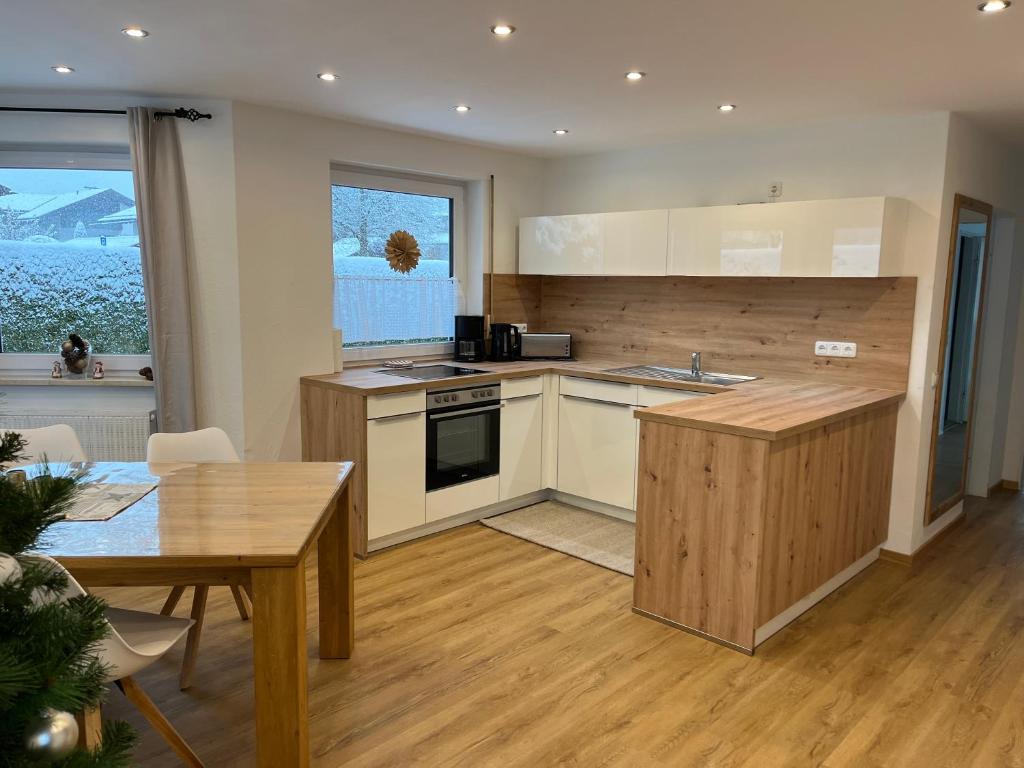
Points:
[(932, 510)]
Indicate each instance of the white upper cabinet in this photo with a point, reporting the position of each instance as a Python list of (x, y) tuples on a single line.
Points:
[(625, 243), (860, 237)]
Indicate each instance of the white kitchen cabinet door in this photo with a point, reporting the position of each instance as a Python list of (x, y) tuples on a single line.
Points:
[(619, 243), (856, 237), (522, 454), (396, 459), (597, 450)]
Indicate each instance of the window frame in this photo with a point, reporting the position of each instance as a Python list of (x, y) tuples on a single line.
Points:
[(114, 159), (414, 184)]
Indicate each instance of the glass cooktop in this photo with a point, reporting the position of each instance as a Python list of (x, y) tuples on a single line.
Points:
[(431, 372)]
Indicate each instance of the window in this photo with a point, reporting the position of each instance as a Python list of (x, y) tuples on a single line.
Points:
[(375, 306), (69, 255)]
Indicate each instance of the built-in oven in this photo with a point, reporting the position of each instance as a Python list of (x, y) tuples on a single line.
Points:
[(463, 434)]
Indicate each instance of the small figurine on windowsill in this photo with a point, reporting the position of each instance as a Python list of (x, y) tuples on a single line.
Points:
[(56, 372), (76, 353), (97, 370)]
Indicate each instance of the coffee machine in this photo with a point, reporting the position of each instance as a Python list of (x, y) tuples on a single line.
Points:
[(505, 342), (469, 338)]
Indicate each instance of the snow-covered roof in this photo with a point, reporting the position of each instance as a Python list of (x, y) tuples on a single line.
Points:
[(119, 217), (56, 202), (19, 202)]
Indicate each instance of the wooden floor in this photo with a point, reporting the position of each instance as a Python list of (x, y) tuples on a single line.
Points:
[(478, 649)]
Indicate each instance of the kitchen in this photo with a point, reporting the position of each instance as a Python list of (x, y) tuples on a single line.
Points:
[(565, 409), (665, 361)]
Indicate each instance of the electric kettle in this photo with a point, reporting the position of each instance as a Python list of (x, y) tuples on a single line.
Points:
[(505, 342)]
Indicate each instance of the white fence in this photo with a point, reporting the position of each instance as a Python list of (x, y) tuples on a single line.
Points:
[(403, 308)]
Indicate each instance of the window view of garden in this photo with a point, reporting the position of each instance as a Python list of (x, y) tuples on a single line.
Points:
[(373, 304), (70, 261)]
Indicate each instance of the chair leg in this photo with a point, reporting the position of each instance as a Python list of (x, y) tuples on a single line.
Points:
[(248, 592), (90, 728), (192, 642), (172, 601), (134, 693), (241, 602)]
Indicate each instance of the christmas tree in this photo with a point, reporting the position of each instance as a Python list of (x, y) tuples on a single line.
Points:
[(48, 663)]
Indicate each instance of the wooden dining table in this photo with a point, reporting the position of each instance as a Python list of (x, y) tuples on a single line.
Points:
[(250, 525)]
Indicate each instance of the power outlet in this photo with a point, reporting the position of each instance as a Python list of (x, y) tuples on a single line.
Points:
[(835, 349), (520, 326)]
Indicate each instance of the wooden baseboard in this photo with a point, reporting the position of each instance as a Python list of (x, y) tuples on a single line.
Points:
[(910, 560), (1010, 485)]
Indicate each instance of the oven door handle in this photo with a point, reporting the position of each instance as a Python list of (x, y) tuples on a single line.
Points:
[(466, 412)]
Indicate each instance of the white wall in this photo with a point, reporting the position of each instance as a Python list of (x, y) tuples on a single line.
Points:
[(282, 175), (901, 157)]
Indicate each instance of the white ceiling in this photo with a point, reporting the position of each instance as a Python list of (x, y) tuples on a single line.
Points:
[(405, 63)]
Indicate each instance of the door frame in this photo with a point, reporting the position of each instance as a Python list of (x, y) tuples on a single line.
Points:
[(959, 203)]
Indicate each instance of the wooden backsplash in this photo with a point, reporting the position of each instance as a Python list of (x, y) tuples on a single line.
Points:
[(764, 326)]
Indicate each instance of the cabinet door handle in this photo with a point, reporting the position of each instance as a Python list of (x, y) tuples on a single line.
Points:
[(595, 400), (396, 416)]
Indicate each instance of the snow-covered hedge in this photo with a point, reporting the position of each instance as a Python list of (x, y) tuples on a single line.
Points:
[(369, 266), (50, 289)]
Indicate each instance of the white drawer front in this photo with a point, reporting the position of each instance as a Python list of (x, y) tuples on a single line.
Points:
[(465, 497), (651, 396), (378, 406), (612, 391), (521, 387)]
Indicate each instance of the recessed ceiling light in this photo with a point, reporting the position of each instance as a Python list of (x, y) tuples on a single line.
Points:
[(994, 6), (462, 108), (635, 74), (502, 30), (64, 69), (137, 32), (560, 131), (726, 107), (327, 77)]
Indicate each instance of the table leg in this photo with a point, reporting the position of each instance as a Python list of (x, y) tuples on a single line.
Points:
[(336, 582), (280, 666)]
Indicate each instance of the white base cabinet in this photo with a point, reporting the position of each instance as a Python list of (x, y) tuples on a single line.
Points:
[(597, 450), (522, 447), (396, 460)]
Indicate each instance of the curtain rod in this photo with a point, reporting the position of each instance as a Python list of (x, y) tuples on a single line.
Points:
[(189, 114)]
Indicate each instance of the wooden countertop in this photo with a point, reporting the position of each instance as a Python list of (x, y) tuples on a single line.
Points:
[(772, 409), (369, 380), (767, 409)]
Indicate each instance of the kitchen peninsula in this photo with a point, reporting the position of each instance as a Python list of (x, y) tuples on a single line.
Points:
[(756, 504)]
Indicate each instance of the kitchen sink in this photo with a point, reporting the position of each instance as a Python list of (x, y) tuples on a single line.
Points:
[(682, 374)]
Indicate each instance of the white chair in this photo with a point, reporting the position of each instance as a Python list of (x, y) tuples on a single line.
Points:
[(57, 445), (136, 641), (204, 446)]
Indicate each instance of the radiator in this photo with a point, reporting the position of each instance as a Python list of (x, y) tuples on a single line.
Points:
[(104, 437)]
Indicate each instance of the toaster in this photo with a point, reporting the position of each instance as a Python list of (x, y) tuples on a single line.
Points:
[(545, 346)]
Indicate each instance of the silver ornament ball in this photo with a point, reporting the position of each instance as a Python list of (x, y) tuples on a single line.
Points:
[(52, 736)]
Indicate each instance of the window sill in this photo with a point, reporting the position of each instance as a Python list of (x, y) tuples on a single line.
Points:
[(37, 380)]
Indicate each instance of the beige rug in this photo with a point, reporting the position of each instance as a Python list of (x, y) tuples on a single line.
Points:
[(598, 539)]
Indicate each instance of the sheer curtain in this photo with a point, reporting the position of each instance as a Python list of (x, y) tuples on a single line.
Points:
[(164, 236)]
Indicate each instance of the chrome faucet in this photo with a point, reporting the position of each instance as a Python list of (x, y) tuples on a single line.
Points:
[(695, 364)]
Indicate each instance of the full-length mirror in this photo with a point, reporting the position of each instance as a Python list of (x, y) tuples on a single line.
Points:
[(954, 382)]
